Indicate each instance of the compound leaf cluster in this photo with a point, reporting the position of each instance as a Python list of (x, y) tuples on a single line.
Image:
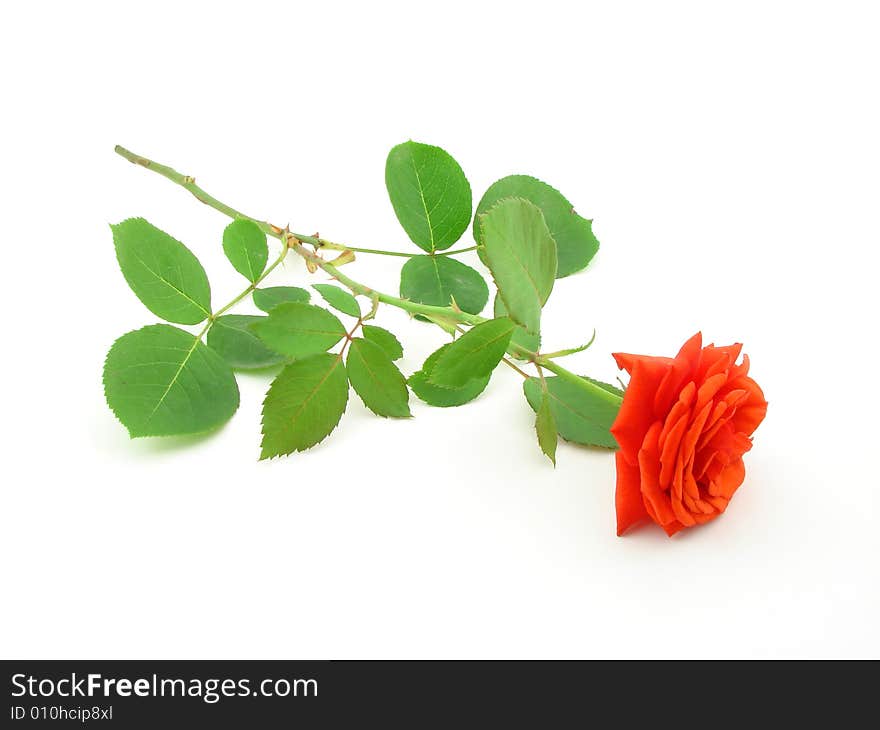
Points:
[(162, 380)]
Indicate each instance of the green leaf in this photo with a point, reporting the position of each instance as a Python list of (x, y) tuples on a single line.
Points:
[(438, 280), (338, 299), (377, 380), (162, 381), (575, 243), (245, 246), (444, 397), (430, 194), (473, 355), (530, 342), (545, 427), (162, 272), (298, 330), (384, 339), (580, 416), (271, 296), (521, 255), (304, 404), (231, 337)]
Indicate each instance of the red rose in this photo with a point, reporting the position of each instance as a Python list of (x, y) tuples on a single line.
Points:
[(683, 428)]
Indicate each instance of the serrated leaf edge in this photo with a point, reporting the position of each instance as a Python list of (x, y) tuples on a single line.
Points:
[(337, 363)]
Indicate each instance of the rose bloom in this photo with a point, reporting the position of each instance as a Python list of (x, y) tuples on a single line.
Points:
[(683, 428)]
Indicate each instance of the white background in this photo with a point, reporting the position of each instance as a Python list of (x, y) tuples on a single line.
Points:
[(729, 156)]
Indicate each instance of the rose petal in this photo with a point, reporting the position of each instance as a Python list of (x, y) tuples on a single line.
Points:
[(715, 360), (678, 475), (626, 361), (708, 389), (709, 433), (681, 514), (649, 468), (719, 503), (689, 442), (712, 355), (636, 413), (717, 411), (691, 350), (683, 368), (670, 450), (729, 480), (740, 370), (748, 418), (680, 409), (724, 440), (734, 397), (628, 497), (705, 507), (690, 485), (702, 461), (702, 519), (670, 528)]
